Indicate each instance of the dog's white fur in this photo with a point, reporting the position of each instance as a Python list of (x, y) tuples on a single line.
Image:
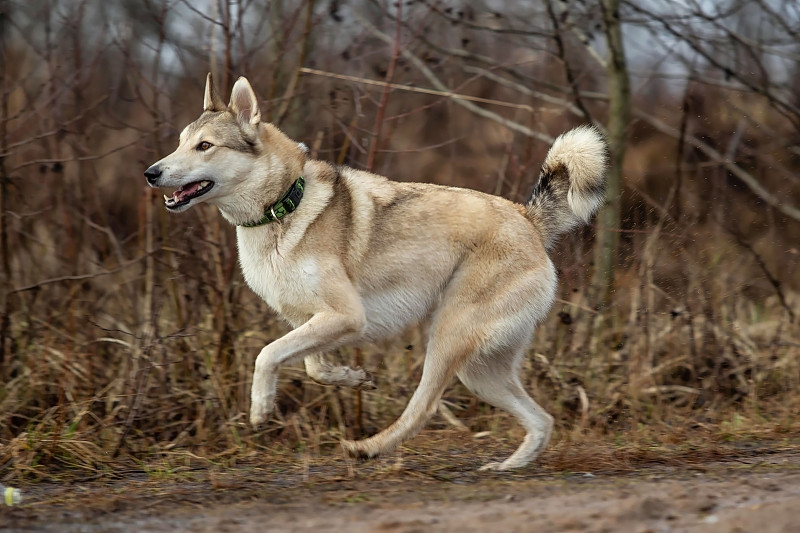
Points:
[(364, 257)]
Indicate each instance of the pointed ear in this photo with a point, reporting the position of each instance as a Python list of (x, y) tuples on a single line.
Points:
[(211, 100), (244, 103)]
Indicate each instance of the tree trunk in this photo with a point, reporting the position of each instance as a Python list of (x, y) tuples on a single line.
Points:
[(608, 220)]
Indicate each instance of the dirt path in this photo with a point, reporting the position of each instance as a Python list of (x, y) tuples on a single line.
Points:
[(757, 492), (760, 503)]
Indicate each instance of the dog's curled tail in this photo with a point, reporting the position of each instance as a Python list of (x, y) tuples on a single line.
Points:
[(571, 184)]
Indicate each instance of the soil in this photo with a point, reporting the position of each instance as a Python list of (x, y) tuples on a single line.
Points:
[(433, 485)]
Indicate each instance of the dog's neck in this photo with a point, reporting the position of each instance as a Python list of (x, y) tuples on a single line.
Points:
[(268, 180), (251, 203), (286, 205)]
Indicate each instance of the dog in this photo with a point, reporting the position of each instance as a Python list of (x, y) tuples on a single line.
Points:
[(347, 257)]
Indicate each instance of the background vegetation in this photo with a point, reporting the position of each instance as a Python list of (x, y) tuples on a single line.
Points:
[(129, 334)]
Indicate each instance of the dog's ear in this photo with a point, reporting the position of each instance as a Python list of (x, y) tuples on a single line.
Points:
[(211, 99), (244, 103)]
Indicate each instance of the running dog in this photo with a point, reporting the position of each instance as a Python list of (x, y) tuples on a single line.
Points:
[(347, 257)]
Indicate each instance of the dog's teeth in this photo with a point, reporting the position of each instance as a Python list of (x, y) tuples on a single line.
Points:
[(167, 198), (203, 183)]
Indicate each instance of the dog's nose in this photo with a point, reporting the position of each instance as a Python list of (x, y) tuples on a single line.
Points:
[(152, 174)]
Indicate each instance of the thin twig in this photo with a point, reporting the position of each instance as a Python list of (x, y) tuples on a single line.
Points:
[(444, 93)]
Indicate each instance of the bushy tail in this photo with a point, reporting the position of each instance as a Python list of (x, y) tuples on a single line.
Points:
[(571, 184)]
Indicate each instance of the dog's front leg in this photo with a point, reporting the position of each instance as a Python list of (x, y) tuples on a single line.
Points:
[(325, 331)]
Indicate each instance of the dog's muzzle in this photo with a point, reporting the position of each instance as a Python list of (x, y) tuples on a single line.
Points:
[(152, 174)]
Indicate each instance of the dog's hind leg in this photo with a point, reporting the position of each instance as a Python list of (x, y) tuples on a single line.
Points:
[(453, 338), (324, 372), (495, 379), (437, 373), (484, 321)]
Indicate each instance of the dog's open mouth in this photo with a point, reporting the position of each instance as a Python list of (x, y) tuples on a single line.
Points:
[(187, 192)]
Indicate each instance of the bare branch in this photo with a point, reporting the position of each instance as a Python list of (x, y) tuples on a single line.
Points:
[(436, 82), (720, 159)]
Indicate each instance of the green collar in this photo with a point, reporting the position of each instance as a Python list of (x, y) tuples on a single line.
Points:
[(282, 207)]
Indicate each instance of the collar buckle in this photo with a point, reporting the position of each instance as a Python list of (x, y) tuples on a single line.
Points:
[(287, 204)]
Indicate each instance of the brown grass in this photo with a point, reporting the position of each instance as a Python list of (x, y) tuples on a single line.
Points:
[(130, 335)]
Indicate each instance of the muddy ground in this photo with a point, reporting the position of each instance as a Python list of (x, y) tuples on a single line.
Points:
[(433, 485)]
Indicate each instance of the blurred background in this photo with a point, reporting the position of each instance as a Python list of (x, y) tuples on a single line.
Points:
[(127, 332)]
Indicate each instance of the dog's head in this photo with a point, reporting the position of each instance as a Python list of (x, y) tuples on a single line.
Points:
[(226, 153)]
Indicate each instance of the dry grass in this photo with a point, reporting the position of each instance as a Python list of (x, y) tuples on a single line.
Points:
[(130, 335)]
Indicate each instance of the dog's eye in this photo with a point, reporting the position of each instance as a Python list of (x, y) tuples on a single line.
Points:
[(203, 146)]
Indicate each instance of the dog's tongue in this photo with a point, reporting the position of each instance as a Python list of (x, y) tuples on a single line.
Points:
[(186, 190)]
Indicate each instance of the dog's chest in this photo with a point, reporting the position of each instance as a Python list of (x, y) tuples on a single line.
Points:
[(284, 283)]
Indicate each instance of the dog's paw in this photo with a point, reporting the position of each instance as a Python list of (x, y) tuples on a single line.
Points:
[(257, 418), (356, 450), (495, 467), (259, 412), (365, 380)]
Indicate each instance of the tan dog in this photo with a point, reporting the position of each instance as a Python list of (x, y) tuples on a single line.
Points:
[(349, 257)]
